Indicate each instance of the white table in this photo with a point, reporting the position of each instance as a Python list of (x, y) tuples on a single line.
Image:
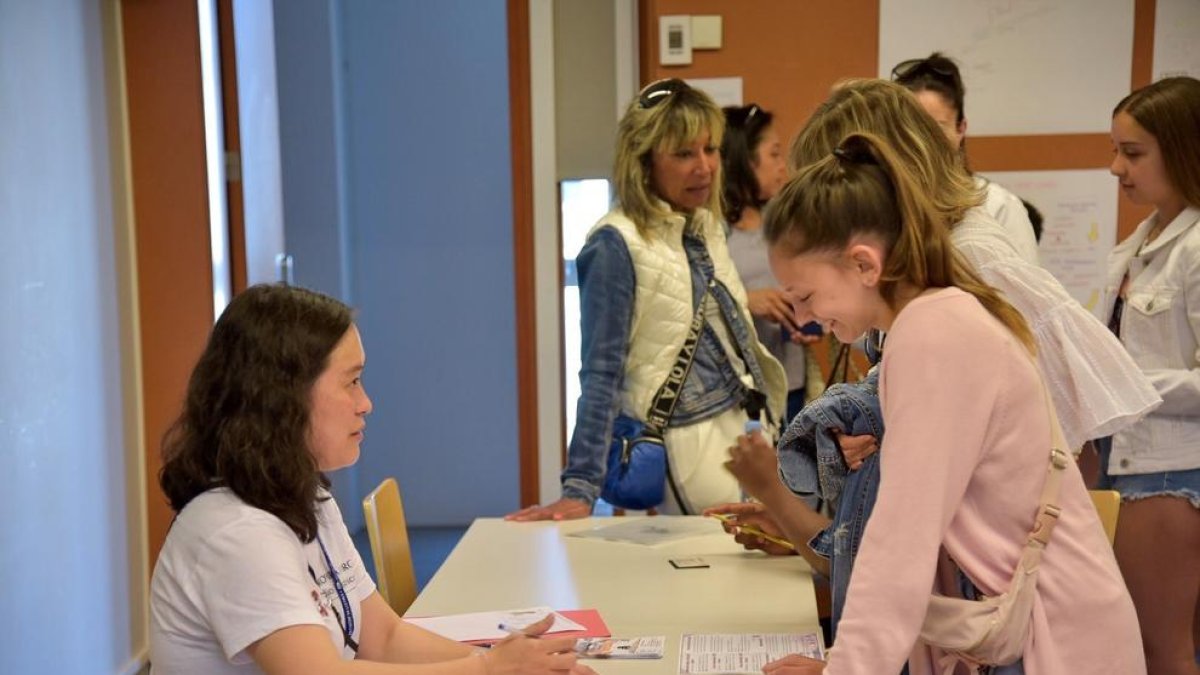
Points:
[(506, 565)]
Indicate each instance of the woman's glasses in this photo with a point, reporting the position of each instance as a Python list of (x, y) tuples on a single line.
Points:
[(913, 67), (658, 91)]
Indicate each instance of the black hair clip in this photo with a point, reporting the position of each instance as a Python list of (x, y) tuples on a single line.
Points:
[(854, 150)]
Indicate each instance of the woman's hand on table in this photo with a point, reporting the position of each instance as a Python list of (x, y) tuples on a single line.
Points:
[(526, 653), (794, 664), (563, 509), (754, 515)]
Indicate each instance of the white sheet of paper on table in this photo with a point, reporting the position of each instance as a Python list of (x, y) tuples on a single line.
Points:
[(742, 653), (486, 625), (651, 530)]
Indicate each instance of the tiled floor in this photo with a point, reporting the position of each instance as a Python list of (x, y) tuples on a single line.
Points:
[(430, 547)]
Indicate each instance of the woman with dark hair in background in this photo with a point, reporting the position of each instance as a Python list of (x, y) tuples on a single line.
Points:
[(258, 573), (1153, 306), (936, 82), (755, 169)]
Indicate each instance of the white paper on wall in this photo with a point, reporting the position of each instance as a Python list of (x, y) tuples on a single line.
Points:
[(1029, 66), (726, 91), (1080, 224), (1176, 29)]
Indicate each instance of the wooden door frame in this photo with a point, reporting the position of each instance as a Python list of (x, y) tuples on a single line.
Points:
[(524, 278)]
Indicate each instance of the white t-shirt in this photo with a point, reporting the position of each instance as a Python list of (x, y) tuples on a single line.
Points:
[(230, 574)]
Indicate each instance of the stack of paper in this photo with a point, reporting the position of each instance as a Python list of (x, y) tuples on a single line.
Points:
[(731, 653)]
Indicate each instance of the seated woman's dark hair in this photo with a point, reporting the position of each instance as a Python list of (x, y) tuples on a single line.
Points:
[(245, 420), (937, 73), (744, 129)]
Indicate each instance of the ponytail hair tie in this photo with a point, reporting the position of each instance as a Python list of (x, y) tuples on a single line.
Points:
[(842, 154)]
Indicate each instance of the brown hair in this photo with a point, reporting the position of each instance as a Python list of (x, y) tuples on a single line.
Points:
[(245, 419), (1170, 111), (890, 112), (863, 187)]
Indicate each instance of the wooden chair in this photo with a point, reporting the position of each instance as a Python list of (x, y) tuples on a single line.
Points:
[(1108, 505), (389, 546)]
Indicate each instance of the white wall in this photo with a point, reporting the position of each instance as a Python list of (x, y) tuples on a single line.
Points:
[(72, 527)]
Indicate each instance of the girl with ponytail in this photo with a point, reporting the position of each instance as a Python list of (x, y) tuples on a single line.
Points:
[(858, 244)]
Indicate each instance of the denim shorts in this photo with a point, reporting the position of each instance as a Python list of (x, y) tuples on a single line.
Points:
[(1134, 486)]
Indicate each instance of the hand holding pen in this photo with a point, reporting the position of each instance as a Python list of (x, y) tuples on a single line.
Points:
[(524, 652), (753, 527)]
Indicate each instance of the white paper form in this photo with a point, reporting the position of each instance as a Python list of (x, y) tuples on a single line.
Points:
[(1176, 25), (479, 626), (730, 653), (651, 530), (1080, 226)]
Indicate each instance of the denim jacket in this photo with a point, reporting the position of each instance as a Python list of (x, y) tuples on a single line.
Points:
[(811, 465), (606, 293)]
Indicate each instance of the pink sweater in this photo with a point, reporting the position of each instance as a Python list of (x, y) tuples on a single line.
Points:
[(963, 463)]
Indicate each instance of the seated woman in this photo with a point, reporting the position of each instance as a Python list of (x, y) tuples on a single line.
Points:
[(258, 573), (971, 431)]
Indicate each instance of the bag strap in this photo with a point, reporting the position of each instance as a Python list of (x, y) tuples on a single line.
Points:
[(663, 404), (1048, 509)]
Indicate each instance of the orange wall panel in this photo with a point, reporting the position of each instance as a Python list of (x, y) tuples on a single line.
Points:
[(170, 204), (788, 53)]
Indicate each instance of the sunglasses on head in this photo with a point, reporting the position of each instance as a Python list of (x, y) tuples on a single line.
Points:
[(659, 91), (911, 67)]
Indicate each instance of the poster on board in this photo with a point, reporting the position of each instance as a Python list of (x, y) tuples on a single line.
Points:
[(1176, 28), (1029, 66), (1079, 210)]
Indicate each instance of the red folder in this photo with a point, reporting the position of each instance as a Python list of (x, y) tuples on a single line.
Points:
[(593, 626)]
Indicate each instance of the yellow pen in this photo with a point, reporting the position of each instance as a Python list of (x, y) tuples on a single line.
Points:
[(750, 529)]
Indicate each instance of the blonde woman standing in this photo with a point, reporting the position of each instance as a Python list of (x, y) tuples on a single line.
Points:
[(648, 268)]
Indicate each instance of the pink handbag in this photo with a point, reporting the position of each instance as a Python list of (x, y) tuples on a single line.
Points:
[(994, 631)]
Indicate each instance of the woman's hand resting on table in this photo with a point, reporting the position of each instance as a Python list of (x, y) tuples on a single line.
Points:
[(526, 653), (563, 509)]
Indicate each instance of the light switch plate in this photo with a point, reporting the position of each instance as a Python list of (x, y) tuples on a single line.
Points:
[(706, 32), (675, 40)]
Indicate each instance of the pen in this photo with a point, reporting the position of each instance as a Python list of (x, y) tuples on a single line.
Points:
[(750, 529), (511, 629)]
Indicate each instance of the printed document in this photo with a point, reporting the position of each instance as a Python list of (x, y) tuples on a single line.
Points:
[(742, 653)]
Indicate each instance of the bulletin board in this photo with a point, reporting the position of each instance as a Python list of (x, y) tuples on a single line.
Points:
[(1021, 60)]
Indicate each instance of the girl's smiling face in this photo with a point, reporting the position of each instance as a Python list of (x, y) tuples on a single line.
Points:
[(839, 290)]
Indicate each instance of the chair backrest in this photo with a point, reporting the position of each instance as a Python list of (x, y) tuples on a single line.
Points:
[(1108, 505), (389, 546)]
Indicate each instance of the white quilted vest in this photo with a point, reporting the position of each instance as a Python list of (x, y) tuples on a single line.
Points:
[(662, 306)]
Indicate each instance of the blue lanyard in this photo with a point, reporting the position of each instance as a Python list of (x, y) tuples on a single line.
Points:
[(341, 592)]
